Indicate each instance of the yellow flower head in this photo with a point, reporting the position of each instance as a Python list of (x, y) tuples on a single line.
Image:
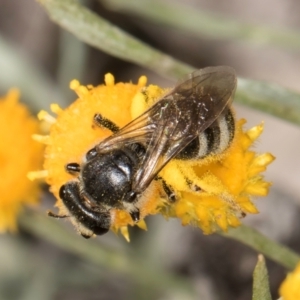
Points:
[(290, 288), (227, 183), (19, 154), (224, 183)]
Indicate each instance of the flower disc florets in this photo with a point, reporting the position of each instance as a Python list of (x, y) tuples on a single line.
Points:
[(290, 287), (226, 181), (19, 154)]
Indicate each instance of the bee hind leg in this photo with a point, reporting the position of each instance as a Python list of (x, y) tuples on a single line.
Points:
[(100, 121), (168, 190), (194, 187)]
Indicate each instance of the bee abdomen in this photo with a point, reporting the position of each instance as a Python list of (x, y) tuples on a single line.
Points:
[(214, 140)]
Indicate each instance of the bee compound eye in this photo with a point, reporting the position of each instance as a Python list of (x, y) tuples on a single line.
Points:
[(62, 192), (91, 154)]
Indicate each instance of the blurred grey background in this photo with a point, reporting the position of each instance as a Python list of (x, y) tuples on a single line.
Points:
[(218, 268)]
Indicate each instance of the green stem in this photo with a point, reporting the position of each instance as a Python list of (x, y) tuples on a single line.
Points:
[(132, 265), (186, 18), (95, 31), (270, 98), (262, 244)]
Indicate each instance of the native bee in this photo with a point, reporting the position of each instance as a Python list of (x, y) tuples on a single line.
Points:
[(190, 122)]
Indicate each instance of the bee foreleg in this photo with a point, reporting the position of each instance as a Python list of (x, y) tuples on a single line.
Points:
[(135, 215), (72, 168), (100, 121)]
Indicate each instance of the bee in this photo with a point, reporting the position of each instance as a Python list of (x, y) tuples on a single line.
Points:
[(190, 122)]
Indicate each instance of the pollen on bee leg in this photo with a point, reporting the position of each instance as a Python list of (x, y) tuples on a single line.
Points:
[(55, 108), (33, 175), (45, 116), (44, 139), (214, 186), (109, 79)]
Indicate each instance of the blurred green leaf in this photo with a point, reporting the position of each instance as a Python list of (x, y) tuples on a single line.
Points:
[(270, 98), (72, 60), (129, 263), (261, 288), (95, 31), (132, 264), (273, 250), (18, 71), (204, 23)]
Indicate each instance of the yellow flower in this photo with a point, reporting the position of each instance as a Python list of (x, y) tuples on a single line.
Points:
[(226, 181), (19, 154), (290, 288)]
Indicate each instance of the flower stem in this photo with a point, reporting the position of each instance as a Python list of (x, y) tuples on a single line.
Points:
[(270, 98), (204, 23), (95, 31), (262, 244)]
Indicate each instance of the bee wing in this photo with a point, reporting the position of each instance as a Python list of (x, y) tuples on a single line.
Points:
[(176, 119), (140, 130)]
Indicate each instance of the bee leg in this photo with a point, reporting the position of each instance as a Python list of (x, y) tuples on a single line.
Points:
[(168, 190), (131, 197), (100, 121), (135, 215), (192, 186), (53, 215), (86, 236), (72, 168)]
